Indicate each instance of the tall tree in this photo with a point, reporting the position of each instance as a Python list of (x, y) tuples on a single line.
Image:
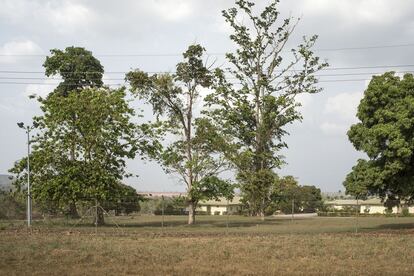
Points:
[(103, 136), (385, 132), (78, 69), (259, 101), (194, 154)]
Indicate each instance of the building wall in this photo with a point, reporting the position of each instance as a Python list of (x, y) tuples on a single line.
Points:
[(373, 209), (220, 209), (378, 209)]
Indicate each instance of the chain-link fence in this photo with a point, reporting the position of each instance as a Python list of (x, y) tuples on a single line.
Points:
[(161, 212)]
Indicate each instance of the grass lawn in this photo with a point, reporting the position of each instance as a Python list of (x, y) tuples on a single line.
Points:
[(248, 246)]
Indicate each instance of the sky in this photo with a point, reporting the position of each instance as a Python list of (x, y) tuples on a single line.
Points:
[(375, 34)]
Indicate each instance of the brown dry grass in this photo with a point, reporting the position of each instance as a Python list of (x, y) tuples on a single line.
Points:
[(277, 247)]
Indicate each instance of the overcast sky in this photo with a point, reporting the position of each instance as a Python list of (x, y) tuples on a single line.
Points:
[(319, 152)]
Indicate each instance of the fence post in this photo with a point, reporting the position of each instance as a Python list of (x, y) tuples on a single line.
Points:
[(293, 208), (162, 212), (96, 216), (227, 215), (357, 216)]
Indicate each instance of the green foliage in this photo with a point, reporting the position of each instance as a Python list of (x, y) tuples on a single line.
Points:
[(405, 212), (102, 135), (12, 206), (255, 111), (83, 139), (125, 200), (306, 199), (79, 152), (386, 134), (195, 154), (78, 68), (171, 206)]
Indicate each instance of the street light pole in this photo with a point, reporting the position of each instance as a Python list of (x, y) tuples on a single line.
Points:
[(29, 199)]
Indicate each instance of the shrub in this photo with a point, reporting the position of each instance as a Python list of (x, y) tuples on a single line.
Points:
[(405, 212)]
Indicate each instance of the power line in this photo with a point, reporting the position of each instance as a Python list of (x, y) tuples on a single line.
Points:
[(120, 84), (172, 72), (366, 47), (222, 53), (42, 83), (122, 79)]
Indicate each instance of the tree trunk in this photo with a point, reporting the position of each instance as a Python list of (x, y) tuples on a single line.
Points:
[(73, 211), (99, 215), (261, 215), (191, 213), (191, 205)]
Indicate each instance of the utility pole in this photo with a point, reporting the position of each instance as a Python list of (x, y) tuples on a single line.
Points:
[(29, 197)]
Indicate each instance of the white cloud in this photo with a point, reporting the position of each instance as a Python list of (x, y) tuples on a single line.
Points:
[(171, 10), (68, 17), (360, 11), (344, 106), (61, 16), (10, 49), (342, 110), (334, 128)]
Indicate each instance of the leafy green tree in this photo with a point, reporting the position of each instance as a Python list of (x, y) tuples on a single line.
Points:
[(78, 68), (12, 205), (310, 199), (385, 132), (194, 155), (124, 201), (287, 193), (259, 101), (103, 136)]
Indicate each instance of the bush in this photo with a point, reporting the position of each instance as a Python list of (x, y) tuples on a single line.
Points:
[(405, 212), (11, 206)]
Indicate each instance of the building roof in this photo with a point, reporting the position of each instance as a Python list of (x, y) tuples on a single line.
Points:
[(353, 202), (160, 194), (221, 202)]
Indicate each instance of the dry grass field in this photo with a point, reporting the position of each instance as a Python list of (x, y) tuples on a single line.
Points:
[(312, 246)]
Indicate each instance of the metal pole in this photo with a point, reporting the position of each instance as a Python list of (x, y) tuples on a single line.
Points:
[(29, 200), (162, 212), (357, 216), (227, 217), (293, 208)]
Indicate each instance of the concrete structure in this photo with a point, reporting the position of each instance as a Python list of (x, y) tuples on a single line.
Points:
[(369, 206), (221, 206)]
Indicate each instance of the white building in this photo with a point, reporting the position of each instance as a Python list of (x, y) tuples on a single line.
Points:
[(221, 207), (369, 206)]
